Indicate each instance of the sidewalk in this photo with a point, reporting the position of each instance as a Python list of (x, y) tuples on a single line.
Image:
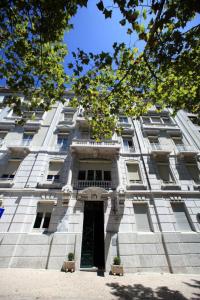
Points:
[(29, 284)]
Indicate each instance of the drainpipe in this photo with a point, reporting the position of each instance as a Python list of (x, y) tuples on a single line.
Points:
[(152, 200)]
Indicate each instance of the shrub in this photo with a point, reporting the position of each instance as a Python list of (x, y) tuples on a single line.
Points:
[(117, 260), (71, 256)]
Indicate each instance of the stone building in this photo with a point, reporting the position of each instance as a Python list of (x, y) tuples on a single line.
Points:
[(135, 195)]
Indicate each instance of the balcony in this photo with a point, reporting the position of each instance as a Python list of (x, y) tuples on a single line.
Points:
[(91, 147), (151, 126), (186, 150), (159, 150), (19, 146), (128, 150), (6, 182), (82, 184)]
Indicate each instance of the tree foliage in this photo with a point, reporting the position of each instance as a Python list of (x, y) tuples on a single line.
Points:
[(125, 81)]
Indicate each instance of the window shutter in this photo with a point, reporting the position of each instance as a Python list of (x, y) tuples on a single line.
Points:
[(133, 172), (181, 217), (54, 168), (141, 217)]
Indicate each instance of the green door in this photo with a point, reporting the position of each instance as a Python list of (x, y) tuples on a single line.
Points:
[(92, 254)]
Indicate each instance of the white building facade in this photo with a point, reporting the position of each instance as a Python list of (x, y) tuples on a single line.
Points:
[(136, 195)]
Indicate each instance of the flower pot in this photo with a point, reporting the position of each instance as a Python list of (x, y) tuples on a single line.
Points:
[(117, 270), (69, 266)]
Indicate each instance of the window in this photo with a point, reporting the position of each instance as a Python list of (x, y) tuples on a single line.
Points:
[(154, 142), (195, 120), (2, 136), (123, 119), (81, 175), (142, 217), (62, 141), (54, 171), (194, 171), (107, 175), (94, 175), (165, 173), (181, 218), (68, 117), (128, 144), (27, 138), (10, 169), (157, 120), (134, 173), (42, 220)]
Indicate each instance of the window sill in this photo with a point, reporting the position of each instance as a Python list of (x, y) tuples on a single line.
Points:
[(170, 186), (136, 186), (50, 185)]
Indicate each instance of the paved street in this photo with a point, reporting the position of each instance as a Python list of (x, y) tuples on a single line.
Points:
[(21, 284)]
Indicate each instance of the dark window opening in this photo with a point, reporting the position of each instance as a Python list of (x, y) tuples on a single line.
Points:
[(90, 175), (81, 175), (47, 218), (98, 175), (107, 175), (38, 220)]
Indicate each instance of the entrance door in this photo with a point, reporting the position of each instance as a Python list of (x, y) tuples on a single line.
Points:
[(92, 254)]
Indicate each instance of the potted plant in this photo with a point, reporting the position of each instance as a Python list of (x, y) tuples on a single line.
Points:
[(117, 268), (69, 265)]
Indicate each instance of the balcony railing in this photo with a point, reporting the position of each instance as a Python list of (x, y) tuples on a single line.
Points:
[(81, 184), (128, 149), (95, 148), (157, 148), (93, 143), (186, 150)]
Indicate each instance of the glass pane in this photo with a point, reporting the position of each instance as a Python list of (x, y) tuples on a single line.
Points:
[(98, 175), (38, 220), (46, 220), (107, 175), (81, 175), (141, 217), (90, 175)]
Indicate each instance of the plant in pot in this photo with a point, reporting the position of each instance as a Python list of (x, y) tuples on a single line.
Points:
[(117, 268), (69, 265)]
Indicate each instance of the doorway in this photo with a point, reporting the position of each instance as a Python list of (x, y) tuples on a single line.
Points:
[(92, 252)]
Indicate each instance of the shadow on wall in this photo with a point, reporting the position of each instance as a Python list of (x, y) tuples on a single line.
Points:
[(140, 292), (196, 285)]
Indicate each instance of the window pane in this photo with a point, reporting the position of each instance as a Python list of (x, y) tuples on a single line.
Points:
[(81, 175), (46, 220), (141, 217), (107, 175), (181, 217), (98, 175), (90, 175), (38, 220)]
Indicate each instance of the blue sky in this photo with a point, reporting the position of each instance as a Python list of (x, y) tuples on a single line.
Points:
[(93, 33)]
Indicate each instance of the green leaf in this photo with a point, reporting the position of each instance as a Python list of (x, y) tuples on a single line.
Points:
[(100, 5), (107, 13), (123, 22)]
